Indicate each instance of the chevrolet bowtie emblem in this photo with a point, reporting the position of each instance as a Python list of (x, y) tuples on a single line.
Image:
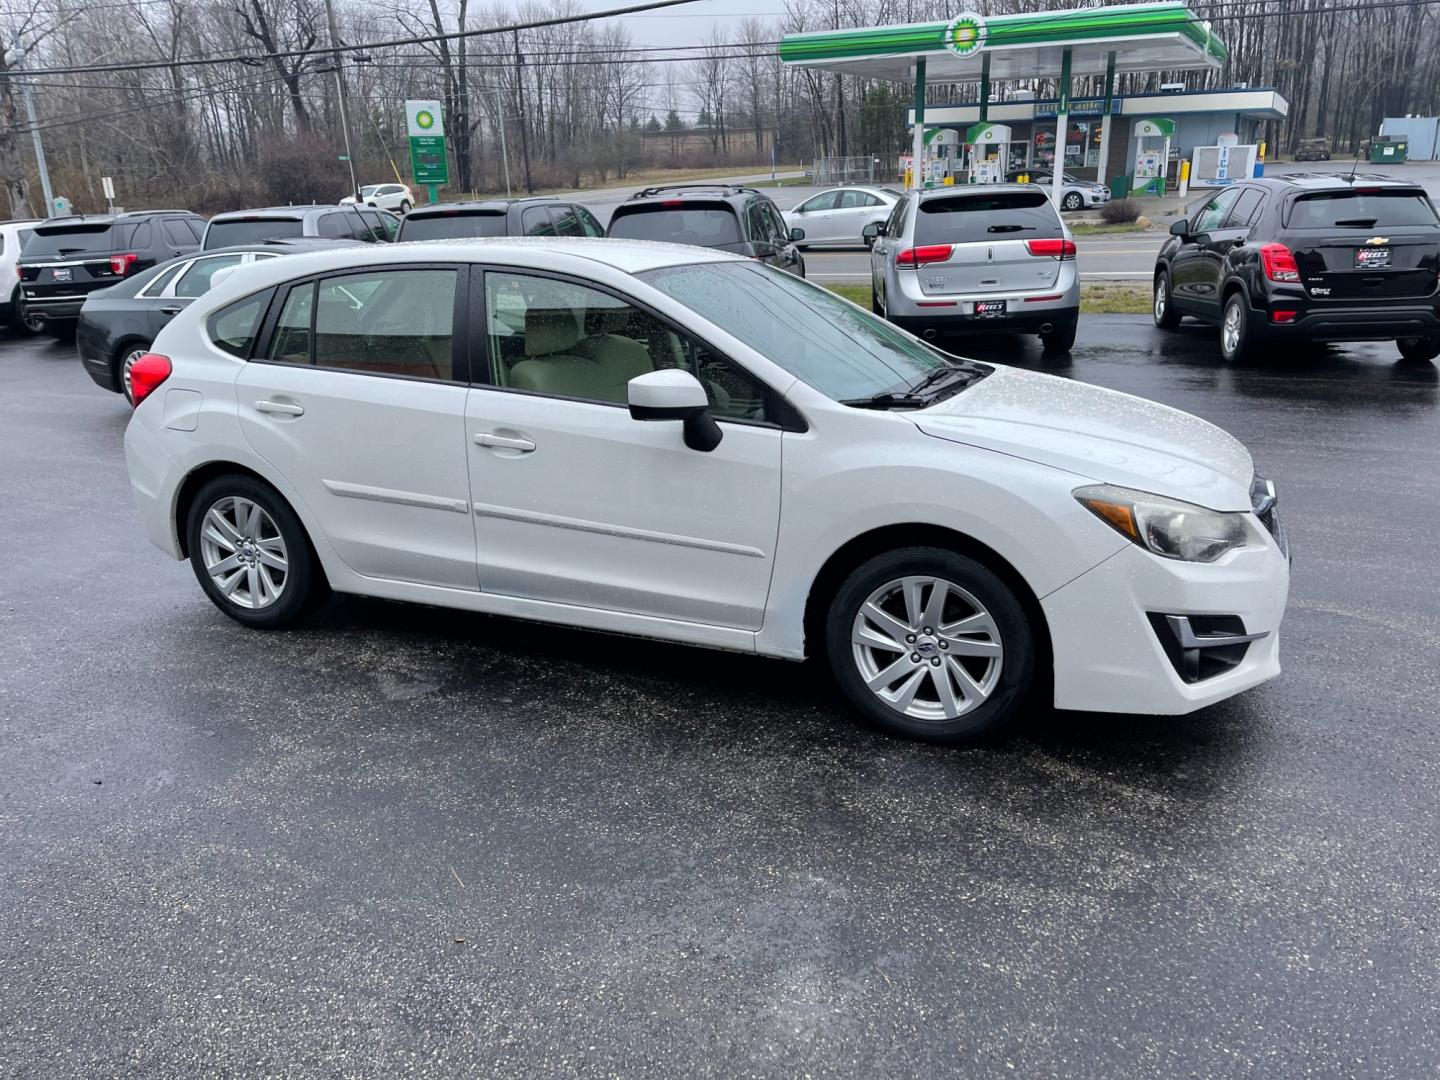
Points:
[(1378, 240)]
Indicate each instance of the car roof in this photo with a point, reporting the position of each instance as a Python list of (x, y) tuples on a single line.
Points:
[(109, 219), (1330, 181), (478, 206), (280, 212), (281, 245), (579, 255), (973, 189), (698, 190)]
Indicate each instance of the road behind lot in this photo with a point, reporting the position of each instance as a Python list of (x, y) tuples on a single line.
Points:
[(405, 842)]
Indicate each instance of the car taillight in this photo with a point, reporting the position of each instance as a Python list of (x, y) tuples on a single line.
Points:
[(919, 256), (1279, 263), (146, 374), (120, 264), (1055, 249)]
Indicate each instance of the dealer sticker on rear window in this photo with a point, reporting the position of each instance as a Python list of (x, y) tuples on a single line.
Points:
[(1368, 257)]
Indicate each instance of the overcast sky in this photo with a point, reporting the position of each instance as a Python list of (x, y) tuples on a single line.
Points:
[(688, 24)]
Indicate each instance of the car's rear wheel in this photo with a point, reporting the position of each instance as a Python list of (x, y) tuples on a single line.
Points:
[(129, 353), (931, 645), (1166, 317), (1418, 349), (1062, 338), (250, 553), (1072, 201), (404, 206), (1235, 328)]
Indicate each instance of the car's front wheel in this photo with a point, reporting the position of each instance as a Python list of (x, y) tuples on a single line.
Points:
[(1072, 201), (1235, 328), (929, 644), (1418, 349), (250, 553), (1166, 317)]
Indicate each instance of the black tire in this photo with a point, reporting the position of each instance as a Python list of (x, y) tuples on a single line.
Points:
[(1007, 685), (1072, 201), (1062, 338), (1162, 307), (304, 585), (18, 324), (1418, 349), (404, 206), (875, 302), (1244, 340)]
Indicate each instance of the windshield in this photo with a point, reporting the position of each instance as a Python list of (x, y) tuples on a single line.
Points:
[(810, 332), (251, 231), (98, 238), (969, 219), (1361, 209), (701, 226), (452, 226)]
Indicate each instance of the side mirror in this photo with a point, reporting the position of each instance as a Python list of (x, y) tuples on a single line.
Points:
[(874, 229), (796, 235), (672, 394), (1180, 228)]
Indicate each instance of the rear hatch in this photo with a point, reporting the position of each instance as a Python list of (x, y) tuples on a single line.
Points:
[(991, 240), (451, 224), (680, 221), (76, 258), (252, 229), (1364, 243)]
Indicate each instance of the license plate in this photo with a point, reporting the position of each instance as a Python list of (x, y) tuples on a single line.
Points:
[(989, 309), (60, 274), (1370, 258)]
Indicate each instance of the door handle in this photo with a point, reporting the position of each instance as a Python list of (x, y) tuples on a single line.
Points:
[(175, 310), (284, 408), (504, 442)]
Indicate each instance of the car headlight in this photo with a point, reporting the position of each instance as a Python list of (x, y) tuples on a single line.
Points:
[(1167, 527)]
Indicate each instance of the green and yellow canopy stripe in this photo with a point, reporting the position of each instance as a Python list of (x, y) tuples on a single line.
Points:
[(1049, 28)]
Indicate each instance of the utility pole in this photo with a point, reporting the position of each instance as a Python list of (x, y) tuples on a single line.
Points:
[(340, 89), (504, 151), (34, 129), (520, 90)]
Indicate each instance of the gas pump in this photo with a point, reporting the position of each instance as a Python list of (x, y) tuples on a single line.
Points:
[(1150, 163), (943, 143), (989, 150)]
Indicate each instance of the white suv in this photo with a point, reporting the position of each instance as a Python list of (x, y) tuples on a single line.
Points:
[(13, 235), (684, 444)]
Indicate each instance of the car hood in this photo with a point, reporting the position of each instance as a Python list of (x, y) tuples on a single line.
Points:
[(1101, 435)]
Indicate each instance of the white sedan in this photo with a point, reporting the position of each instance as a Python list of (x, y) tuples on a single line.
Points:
[(684, 444), (397, 198), (839, 216)]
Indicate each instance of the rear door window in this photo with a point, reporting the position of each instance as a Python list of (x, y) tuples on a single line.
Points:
[(197, 280), (535, 221), (589, 224), (705, 226), (1247, 209), (1361, 209), (970, 219), (392, 322), (338, 226), (177, 233), (566, 223)]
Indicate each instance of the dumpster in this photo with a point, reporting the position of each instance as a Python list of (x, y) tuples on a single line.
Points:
[(1384, 151)]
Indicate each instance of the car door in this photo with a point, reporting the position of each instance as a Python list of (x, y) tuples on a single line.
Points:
[(815, 215), (575, 502), (358, 400), (853, 210), (1193, 286), (788, 255), (886, 242)]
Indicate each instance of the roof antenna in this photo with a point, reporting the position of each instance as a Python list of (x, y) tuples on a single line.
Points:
[(1355, 167)]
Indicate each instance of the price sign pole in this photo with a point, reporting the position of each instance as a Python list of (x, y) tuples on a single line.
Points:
[(425, 124)]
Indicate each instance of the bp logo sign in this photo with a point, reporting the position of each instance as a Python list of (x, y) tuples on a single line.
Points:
[(965, 35), (425, 119)]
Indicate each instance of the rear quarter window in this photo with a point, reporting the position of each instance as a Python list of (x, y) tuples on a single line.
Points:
[(969, 219), (234, 328), (1360, 210)]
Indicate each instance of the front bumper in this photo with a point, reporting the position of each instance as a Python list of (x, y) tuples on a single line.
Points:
[(1107, 628)]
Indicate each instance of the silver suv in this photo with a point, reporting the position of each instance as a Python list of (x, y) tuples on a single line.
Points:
[(977, 259)]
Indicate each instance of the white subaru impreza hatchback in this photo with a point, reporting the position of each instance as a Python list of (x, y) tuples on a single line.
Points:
[(683, 444)]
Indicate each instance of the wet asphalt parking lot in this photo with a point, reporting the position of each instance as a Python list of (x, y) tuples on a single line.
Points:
[(406, 842)]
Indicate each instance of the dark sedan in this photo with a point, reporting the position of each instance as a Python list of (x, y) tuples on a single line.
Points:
[(118, 324)]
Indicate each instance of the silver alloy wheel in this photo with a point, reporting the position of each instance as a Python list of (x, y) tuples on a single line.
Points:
[(1161, 296), (1072, 201), (244, 552), (1230, 330), (927, 648), (125, 366)]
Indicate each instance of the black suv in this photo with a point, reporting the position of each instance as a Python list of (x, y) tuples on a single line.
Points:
[(720, 216), (1321, 257), (68, 258), (294, 222), (538, 216)]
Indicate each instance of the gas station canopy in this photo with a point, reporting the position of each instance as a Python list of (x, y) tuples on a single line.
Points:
[(1141, 37)]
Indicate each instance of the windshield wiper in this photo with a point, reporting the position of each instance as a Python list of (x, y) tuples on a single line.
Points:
[(886, 400), (914, 396)]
